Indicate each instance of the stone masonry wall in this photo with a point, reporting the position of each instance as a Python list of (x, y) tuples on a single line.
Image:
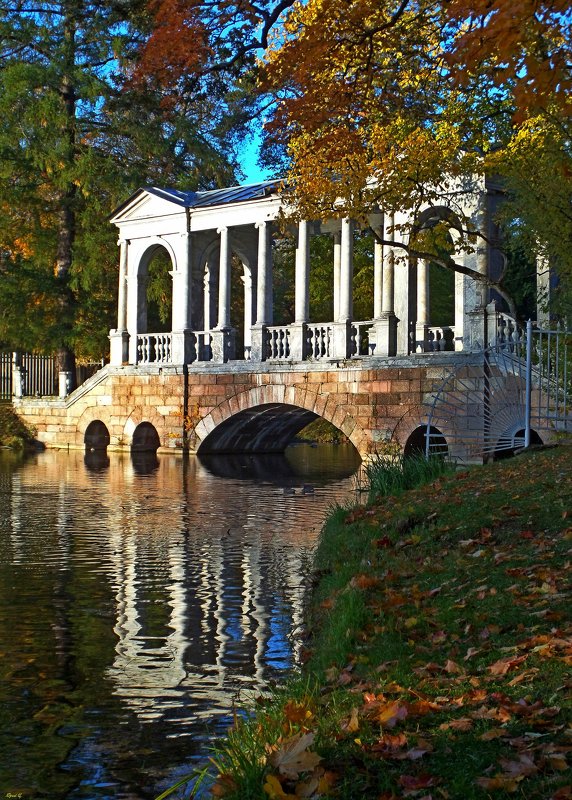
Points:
[(371, 402)]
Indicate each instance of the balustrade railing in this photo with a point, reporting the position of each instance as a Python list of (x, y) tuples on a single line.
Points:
[(359, 339), (506, 333), (440, 338), (277, 342), (154, 348), (319, 341), (203, 344)]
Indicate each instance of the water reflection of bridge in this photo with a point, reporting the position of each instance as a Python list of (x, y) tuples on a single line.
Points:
[(204, 594)]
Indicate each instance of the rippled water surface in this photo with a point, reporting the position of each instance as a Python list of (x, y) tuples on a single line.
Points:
[(139, 600)]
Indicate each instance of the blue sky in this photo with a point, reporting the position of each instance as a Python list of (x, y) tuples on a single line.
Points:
[(248, 158)]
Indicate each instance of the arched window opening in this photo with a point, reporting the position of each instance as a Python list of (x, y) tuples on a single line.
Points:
[(159, 292)]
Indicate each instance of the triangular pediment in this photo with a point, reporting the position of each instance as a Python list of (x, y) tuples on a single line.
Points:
[(145, 204)]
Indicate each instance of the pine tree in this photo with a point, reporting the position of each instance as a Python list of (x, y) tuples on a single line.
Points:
[(76, 138)]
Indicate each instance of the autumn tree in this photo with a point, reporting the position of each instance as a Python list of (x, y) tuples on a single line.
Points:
[(396, 104), (76, 137)]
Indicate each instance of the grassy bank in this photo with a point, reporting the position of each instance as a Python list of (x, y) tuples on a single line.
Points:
[(14, 434), (439, 665)]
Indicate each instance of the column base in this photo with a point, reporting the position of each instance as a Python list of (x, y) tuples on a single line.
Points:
[(258, 348), (183, 347), (223, 345), (421, 338), (383, 335), (118, 347), (342, 339)]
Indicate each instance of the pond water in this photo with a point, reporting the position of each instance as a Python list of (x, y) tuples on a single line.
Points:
[(140, 600)]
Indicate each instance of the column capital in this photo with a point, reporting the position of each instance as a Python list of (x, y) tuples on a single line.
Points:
[(262, 224), (222, 229)]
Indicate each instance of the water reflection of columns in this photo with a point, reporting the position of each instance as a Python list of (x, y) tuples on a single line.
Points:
[(254, 617), (16, 506)]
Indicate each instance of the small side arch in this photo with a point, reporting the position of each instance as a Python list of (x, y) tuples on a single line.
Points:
[(145, 439), (416, 443), (96, 436)]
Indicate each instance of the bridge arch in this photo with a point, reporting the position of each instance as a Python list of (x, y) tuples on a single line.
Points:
[(145, 439), (96, 436), (266, 418)]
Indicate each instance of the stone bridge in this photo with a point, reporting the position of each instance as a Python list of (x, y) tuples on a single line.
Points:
[(203, 384), (225, 408)]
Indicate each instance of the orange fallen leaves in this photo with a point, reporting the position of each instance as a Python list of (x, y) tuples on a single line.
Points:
[(292, 756), (504, 665)]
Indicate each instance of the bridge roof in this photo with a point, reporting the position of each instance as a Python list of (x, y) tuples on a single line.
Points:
[(206, 199)]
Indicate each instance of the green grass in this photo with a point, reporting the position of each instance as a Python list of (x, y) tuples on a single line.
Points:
[(439, 662), (387, 475)]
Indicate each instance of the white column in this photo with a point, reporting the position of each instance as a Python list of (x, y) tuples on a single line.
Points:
[(302, 291), (482, 250), (337, 271), (122, 293), (224, 281), (181, 283), (388, 304), (378, 284), (207, 298), (247, 282), (346, 272), (422, 292), (264, 280)]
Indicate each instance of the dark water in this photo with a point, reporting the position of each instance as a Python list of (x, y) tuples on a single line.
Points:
[(139, 601)]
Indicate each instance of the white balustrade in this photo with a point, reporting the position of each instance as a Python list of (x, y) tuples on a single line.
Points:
[(203, 341), (154, 348), (359, 339), (319, 341), (277, 340), (508, 334), (440, 338)]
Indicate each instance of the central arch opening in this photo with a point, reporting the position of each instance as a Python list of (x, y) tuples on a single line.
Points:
[(267, 428)]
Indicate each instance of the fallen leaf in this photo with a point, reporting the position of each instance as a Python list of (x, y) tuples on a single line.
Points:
[(273, 788), (293, 756), (461, 724), (522, 768), (391, 714), (504, 665), (352, 724), (504, 782), (413, 783), (493, 733), (223, 786)]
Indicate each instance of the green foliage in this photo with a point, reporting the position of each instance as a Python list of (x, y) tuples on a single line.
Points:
[(14, 434), (77, 137)]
